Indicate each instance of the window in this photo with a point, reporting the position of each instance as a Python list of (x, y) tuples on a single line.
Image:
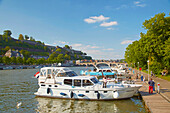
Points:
[(96, 92), (68, 82), (62, 75), (55, 86), (42, 85), (77, 82), (87, 91), (94, 80), (71, 74), (49, 85), (87, 83), (105, 91)]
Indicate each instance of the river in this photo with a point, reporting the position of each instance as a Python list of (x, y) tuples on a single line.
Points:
[(20, 85)]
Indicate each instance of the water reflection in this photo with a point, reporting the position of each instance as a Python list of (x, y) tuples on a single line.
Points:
[(63, 105)]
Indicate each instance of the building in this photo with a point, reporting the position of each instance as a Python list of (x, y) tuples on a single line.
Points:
[(10, 53)]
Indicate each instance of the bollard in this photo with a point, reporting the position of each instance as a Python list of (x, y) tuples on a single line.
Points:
[(158, 88)]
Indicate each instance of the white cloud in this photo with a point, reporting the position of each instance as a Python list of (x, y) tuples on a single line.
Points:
[(110, 28), (95, 19), (76, 45), (122, 7), (109, 49), (126, 42), (139, 4), (107, 24)]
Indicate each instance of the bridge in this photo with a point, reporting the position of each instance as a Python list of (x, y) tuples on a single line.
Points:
[(111, 64)]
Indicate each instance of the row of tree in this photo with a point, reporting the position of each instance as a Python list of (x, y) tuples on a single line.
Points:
[(153, 46)]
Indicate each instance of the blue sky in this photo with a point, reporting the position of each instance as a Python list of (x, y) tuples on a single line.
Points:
[(101, 28)]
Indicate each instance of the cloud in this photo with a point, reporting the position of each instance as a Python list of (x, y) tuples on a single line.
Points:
[(109, 49), (76, 45), (110, 28), (107, 24), (122, 7), (139, 4), (126, 42), (95, 19)]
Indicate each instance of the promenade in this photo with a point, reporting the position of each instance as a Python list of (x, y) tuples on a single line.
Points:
[(155, 103)]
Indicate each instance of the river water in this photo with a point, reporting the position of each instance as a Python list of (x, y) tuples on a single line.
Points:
[(20, 85)]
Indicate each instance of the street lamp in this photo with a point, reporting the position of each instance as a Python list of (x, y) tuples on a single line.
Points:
[(148, 70), (138, 67)]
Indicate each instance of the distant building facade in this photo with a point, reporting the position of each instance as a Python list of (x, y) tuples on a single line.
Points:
[(10, 53)]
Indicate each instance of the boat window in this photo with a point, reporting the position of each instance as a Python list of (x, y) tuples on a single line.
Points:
[(87, 83), (77, 82), (108, 71), (43, 73), (87, 91), (62, 75), (68, 82), (42, 85), (71, 74), (96, 92), (105, 91), (94, 80), (100, 70)]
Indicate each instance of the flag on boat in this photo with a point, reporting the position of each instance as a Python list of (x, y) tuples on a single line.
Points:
[(37, 74)]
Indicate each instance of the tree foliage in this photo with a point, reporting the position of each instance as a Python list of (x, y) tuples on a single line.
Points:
[(153, 46)]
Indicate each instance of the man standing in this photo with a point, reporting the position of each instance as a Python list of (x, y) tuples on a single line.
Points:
[(104, 82), (151, 84)]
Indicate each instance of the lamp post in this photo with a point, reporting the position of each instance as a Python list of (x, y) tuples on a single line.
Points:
[(148, 70), (138, 67)]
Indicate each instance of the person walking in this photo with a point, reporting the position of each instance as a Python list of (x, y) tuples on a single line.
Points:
[(151, 83), (141, 77), (104, 82)]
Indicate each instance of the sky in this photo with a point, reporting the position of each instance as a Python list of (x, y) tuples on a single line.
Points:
[(101, 28)]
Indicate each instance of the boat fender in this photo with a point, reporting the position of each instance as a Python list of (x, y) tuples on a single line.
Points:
[(98, 95), (63, 94), (81, 95), (116, 94), (48, 90), (71, 94)]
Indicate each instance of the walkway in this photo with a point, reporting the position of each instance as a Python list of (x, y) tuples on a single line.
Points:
[(156, 103)]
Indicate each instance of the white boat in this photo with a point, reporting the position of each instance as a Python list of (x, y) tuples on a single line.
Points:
[(121, 69), (61, 82)]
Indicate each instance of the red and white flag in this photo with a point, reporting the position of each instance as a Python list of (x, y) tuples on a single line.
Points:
[(37, 74)]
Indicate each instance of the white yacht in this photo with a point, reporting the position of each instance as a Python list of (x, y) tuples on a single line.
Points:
[(61, 82)]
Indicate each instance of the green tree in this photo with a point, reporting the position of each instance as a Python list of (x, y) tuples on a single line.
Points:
[(59, 50), (7, 48), (66, 46), (60, 58), (6, 60), (13, 60), (26, 37), (21, 37), (67, 57), (19, 60), (7, 33)]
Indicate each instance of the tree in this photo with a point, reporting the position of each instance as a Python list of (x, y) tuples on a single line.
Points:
[(67, 57), (7, 33), (6, 60), (26, 37), (59, 50), (13, 60), (60, 58), (7, 48), (21, 37), (66, 46), (19, 60)]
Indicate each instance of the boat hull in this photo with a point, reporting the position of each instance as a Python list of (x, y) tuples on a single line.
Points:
[(91, 94)]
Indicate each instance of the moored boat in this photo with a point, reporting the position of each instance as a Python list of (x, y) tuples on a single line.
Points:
[(61, 82)]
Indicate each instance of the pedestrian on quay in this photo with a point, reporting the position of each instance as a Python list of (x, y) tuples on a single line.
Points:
[(151, 83), (104, 82), (141, 77), (151, 73)]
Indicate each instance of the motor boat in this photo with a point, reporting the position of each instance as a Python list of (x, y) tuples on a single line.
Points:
[(61, 82)]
